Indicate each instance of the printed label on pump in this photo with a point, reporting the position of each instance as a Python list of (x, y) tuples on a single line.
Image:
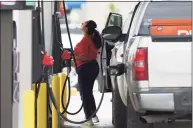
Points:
[(8, 2), (16, 5)]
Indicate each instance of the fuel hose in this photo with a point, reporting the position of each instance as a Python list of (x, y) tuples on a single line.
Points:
[(51, 95), (73, 57), (57, 26), (40, 9)]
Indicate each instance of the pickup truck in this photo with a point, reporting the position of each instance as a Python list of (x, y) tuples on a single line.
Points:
[(149, 70)]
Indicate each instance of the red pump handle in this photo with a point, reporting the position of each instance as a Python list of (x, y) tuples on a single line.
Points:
[(47, 60), (66, 55)]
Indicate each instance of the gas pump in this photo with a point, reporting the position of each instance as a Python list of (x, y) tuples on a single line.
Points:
[(66, 57), (9, 84), (31, 61)]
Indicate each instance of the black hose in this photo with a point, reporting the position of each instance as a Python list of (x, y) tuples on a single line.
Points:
[(49, 107), (54, 103), (68, 31), (43, 43), (37, 84), (37, 88), (49, 90), (69, 95), (51, 93), (69, 87), (67, 78), (43, 30), (68, 100), (80, 122)]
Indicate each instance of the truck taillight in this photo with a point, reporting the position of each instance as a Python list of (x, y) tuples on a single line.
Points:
[(140, 65)]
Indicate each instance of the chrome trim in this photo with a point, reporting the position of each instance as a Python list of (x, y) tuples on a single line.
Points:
[(156, 102), (159, 99)]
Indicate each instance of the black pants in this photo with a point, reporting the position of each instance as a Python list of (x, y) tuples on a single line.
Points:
[(87, 74)]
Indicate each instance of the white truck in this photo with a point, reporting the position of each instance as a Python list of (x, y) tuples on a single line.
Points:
[(150, 64)]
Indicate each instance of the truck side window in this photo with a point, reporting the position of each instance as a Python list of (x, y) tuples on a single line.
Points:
[(164, 10), (115, 21)]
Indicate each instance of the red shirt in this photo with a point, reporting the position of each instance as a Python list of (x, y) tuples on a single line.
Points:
[(85, 48)]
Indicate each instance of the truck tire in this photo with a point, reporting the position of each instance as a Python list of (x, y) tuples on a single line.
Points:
[(119, 114), (133, 119)]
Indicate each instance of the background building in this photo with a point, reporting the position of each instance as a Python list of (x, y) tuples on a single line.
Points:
[(79, 12)]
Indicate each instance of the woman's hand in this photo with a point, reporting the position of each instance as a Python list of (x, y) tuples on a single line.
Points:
[(72, 63), (84, 59)]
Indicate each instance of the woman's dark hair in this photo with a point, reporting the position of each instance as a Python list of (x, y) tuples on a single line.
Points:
[(91, 26)]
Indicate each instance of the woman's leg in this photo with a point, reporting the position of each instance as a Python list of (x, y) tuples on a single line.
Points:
[(92, 99), (84, 92), (86, 77), (94, 76)]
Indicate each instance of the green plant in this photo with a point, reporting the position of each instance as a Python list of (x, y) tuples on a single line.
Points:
[(112, 7)]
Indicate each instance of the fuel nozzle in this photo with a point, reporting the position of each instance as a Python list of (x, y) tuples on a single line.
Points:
[(66, 57), (47, 63), (118, 69)]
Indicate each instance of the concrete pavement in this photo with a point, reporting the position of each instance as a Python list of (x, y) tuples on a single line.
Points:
[(104, 113)]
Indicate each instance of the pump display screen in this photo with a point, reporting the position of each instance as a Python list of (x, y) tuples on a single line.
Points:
[(15, 5)]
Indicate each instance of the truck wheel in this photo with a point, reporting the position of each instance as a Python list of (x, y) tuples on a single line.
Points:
[(119, 114), (133, 119)]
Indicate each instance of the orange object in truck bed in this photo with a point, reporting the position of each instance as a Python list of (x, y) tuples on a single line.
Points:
[(170, 27)]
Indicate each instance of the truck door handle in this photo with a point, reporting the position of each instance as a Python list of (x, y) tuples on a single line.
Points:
[(121, 55)]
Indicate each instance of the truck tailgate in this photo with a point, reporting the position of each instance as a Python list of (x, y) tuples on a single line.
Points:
[(169, 64), (169, 54)]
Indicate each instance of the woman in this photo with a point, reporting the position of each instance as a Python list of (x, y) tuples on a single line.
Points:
[(87, 66)]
